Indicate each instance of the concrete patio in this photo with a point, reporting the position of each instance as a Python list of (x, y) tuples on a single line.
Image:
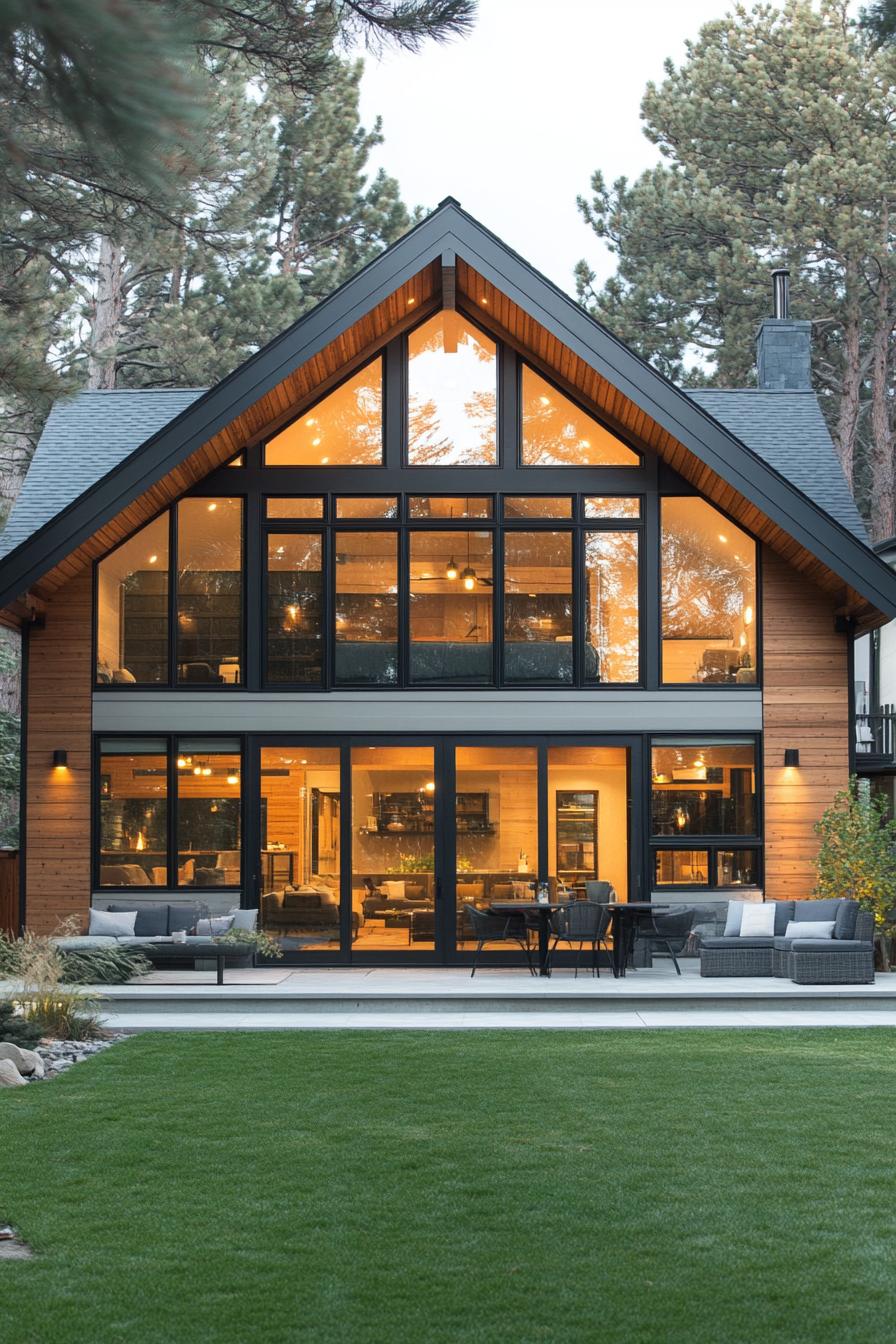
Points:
[(440, 998)]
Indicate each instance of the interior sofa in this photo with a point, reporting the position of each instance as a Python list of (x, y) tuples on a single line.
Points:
[(306, 909), (846, 958)]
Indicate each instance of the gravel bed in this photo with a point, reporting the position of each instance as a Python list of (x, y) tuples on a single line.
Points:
[(59, 1056)]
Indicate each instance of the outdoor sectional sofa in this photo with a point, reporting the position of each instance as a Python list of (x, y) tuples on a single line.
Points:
[(846, 958)]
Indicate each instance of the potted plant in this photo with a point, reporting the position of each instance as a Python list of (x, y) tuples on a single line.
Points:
[(857, 858)]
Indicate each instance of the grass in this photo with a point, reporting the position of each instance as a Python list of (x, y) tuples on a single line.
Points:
[(446, 1188)]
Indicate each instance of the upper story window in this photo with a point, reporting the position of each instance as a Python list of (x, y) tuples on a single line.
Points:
[(345, 429), (708, 595), (452, 394), (209, 590), (132, 608), (557, 433)]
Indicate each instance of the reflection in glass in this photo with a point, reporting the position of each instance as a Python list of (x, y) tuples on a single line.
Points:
[(588, 818), (737, 868), (611, 606), (393, 846), (452, 394), (450, 506), (538, 607), (209, 590), (367, 608), (133, 812), (612, 506), (295, 608), (708, 590), (557, 433), (372, 506), (681, 867), (132, 608), (496, 825), (309, 507), (451, 607), (300, 858), (537, 506), (703, 788), (208, 812), (343, 430)]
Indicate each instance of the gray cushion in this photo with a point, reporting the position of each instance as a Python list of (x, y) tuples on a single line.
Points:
[(836, 946), (812, 910), (181, 917), (152, 917), (845, 922), (722, 943), (733, 918), (811, 928), (244, 919), (783, 915)]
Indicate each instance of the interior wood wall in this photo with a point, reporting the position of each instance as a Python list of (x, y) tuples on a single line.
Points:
[(805, 702), (57, 837)]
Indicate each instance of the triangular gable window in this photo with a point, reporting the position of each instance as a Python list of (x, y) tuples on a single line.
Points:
[(556, 433), (343, 430), (452, 394)]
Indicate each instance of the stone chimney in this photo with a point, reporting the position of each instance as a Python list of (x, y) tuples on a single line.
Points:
[(783, 346)]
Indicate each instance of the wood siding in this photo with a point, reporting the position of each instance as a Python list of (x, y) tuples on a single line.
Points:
[(57, 836), (805, 705)]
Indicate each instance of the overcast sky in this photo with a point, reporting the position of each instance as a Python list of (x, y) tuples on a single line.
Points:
[(513, 120)]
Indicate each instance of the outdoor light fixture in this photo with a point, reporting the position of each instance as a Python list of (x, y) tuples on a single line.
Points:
[(60, 759), (791, 756)]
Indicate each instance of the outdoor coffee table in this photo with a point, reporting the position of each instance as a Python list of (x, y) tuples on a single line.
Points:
[(193, 950)]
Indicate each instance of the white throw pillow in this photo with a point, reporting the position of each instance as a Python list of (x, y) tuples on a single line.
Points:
[(394, 891), (211, 928), (758, 920), (243, 919), (106, 924), (810, 928), (733, 918)]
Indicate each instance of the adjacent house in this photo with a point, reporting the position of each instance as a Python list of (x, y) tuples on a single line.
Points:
[(442, 593)]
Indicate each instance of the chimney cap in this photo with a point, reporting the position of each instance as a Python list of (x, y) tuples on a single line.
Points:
[(781, 293)]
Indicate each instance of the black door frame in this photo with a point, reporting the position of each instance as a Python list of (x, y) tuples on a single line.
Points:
[(445, 951)]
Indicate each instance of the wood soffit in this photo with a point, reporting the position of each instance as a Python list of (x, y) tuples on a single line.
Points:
[(462, 286)]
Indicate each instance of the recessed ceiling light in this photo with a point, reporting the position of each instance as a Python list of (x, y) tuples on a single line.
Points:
[(153, 559), (212, 507)]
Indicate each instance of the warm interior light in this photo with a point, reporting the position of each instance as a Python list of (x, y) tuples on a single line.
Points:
[(303, 761), (545, 401), (182, 762), (469, 578), (233, 779), (293, 612), (723, 539), (141, 841), (212, 507), (153, 559), (748, 615), (430, 786), (451, 570), (324, 460), (206, 769), (411, 301), (484, 302)]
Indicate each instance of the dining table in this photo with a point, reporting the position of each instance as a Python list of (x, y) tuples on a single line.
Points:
[(540, 910), (627, 917)]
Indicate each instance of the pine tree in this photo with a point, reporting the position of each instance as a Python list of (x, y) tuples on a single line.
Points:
[(776, 135)]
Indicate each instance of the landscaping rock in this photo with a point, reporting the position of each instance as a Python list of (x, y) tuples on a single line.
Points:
[(9, 1074), (26, 1061)]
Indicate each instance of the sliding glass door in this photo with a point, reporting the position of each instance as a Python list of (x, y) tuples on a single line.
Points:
[(377, 850)]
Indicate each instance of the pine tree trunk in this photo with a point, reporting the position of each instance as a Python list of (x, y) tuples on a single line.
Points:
[(16, 450), (848, 411), (107, 314), (883, 502)]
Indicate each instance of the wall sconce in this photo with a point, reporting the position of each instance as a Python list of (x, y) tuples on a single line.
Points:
[(791, 756), (60, 759)]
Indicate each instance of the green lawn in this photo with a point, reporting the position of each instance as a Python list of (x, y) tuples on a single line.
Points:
[(415, 1187)]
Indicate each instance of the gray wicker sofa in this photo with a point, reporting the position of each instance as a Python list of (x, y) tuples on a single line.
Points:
[(846, 958)]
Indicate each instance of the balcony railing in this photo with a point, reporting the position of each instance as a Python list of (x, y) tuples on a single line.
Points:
[(876, 737)]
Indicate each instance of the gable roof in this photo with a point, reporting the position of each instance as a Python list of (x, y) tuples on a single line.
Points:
[(450, 237), (788, 431), (82, 441)]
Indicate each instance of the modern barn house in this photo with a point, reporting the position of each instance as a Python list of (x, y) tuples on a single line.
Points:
[(442, 593)]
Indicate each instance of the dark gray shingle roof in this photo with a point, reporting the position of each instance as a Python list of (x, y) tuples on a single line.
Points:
[(788, 431), (83, 439)]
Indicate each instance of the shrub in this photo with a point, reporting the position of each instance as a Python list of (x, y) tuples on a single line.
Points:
[(37, 964), (62, 1014), (112, 965), (857, 855), (16, 1027)]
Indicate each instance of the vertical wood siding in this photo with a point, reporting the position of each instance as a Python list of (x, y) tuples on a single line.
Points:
[(805, 705), (57, 837)]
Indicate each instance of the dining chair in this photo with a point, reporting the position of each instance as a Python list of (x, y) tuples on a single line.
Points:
[(669, 931), (581, 922), (491, 928), (599, 891)]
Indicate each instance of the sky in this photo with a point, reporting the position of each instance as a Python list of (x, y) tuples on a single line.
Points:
[(513, 120)]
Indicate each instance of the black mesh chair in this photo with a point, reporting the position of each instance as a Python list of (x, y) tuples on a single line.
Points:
[(599, 891), (580, 923), (668, 932), (489, 928)]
